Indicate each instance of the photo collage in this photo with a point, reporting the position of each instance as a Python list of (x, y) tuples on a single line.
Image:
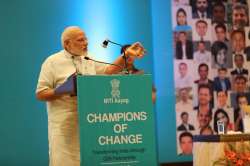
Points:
[(211, 53)]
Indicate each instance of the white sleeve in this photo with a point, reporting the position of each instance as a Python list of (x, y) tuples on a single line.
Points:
[(46, 77), (100, 68)]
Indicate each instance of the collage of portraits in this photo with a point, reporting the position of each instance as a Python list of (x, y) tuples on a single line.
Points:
[(211, 42)]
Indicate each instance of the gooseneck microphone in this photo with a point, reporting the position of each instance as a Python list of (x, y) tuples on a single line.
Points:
[(123, 48), (88, 58), (107, 41)]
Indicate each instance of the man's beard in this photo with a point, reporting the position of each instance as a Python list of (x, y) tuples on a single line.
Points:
[(240, 24), (85, 51), (202, 9)]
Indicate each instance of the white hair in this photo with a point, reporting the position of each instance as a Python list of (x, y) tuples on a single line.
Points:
[(67, 33)]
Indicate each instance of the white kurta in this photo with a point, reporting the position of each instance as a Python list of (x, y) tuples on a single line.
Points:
[(63, 128)]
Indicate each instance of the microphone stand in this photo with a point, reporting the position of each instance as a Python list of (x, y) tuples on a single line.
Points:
[(115, 43), (125, 60), (88, 58)]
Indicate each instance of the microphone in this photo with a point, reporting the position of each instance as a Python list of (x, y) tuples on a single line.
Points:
[(107, 41), (88, 58), (123, 48)]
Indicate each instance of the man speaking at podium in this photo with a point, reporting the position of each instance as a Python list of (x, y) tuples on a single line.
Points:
[(55, 86)]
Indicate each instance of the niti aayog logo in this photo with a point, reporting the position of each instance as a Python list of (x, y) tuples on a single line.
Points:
[(115, 94), (115, 88)]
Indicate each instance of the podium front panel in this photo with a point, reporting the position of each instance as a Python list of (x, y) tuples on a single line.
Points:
[(116, 120)]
